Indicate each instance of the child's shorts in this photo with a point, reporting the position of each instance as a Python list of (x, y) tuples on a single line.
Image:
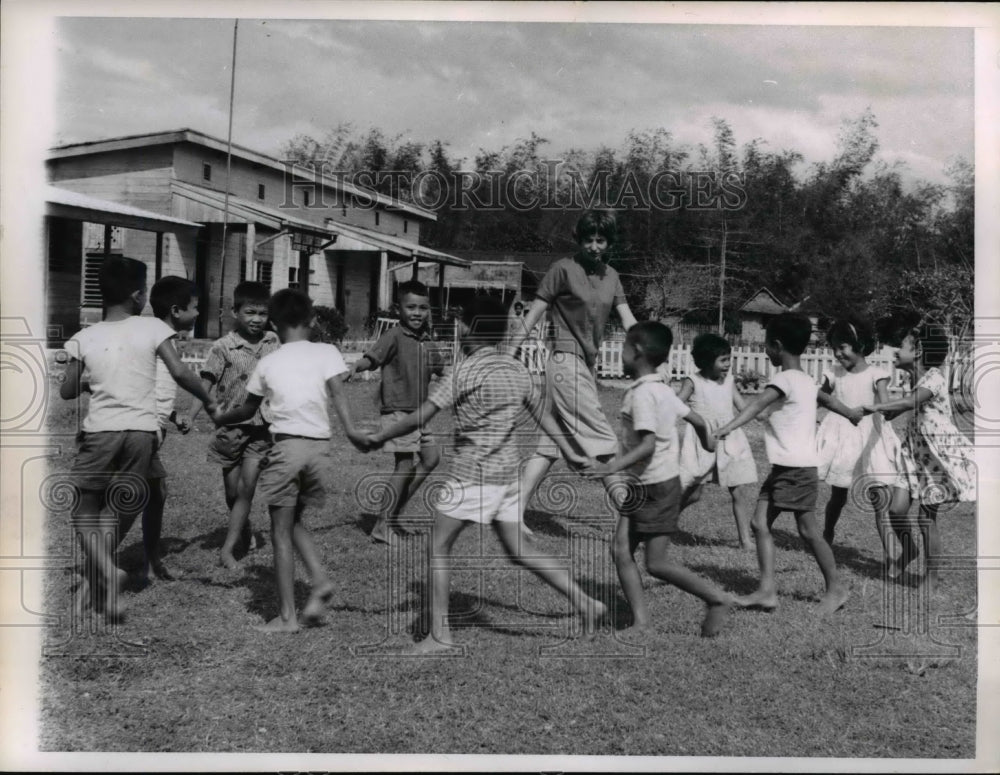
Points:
[(233, 443), (571, 395), (791, 488), (482, 503), (104, 455), (415, 441), (291, 471), (653, 509)]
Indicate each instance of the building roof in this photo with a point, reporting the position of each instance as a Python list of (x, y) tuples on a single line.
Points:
[(200, 138), (764, 302), (61, 203), (210, 205)]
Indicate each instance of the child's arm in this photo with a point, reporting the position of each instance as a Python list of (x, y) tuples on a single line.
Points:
[(416, 419), (364, 363), (901, 404), (336, 387), (764, 400), (827, 401), (238, 414), (702, 429), (739, 402), (625, 313), (183, 376), (687, 389), (882, 397), (643, 450), (538, 308), (72, 384)]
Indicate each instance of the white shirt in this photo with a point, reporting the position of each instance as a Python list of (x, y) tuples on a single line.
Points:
[(120, 359), (790, 431), (166, 393), (651, 405), (293, 379)]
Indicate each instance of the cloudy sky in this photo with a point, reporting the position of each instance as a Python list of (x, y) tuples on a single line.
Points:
[(484, 85)]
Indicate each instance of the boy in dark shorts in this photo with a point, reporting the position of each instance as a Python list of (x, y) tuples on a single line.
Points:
[(407, 358), (119, 433), (240, 448), (651, 506), (790, 440)]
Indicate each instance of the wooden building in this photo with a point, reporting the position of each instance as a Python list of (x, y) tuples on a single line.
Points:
[(285, 226)]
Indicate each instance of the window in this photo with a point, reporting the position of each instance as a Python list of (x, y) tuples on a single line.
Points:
[(206, 171), (406, 225), (306, 198), (293, 277), (260, 191), (263, 274), (376, 217), (91, 287)]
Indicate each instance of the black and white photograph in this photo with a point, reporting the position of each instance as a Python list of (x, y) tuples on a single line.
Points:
[(499, 386)]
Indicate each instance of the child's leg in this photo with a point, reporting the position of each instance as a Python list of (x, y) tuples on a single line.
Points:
[(97, 538), (742, 495), (532, 474), (282, 522), (766, 596), (239, 512), (838, 497), (592, 611), (880, 498), (322, 587), (231, 481), (623, 550), (691, 496), (899, 508), (399, 481), (658, 564), (836, 590), (443, 536), (932, 545), (152, 528), (427, 461)]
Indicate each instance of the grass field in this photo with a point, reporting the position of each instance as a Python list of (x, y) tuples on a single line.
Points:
[(185, 671)]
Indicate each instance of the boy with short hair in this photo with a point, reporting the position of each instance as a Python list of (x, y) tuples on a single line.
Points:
[(174, 301), (790, 441), (240, 448), (298, 380), (650, 510), (118, 437), (407, 358), (493, 399)]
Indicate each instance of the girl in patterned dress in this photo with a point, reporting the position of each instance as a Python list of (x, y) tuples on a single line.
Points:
[(935, 460), (712, 394), (858, 456)]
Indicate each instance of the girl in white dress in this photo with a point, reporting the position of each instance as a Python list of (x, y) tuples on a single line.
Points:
[(859, 457), (712, 393), (935, 460)]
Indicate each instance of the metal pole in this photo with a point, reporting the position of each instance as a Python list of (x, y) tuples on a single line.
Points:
[(229, 160)]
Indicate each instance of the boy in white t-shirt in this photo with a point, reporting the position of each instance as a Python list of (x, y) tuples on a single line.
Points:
[(790, 441), (650, 509), (298, 380), (119, 433)]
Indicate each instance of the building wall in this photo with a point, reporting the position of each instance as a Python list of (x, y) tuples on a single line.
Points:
[(137, 177)]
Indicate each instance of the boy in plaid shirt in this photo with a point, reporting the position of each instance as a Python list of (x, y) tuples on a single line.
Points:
[(494, 403)]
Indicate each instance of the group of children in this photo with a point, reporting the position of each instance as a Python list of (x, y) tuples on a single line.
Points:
[(269, 397)]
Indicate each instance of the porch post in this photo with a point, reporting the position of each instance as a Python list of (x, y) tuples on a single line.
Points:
[(159, 255)]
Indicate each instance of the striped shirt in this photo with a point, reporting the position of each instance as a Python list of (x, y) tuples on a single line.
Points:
[(231, 360), (492, 396)]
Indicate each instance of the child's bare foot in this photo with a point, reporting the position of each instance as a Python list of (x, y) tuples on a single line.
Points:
[(893, 570), (114, 608), (715, 616), (432, 645), (277, 624), (834, 599), (227, 561), (164, 573), (763, 600), (635, 632), (593, 614), (316, 605), (379, 535)]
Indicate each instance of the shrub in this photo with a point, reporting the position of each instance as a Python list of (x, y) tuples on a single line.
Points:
[(329, 326), (748, 380)]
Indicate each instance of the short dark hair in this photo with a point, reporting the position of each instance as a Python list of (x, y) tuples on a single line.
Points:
[(486, 318), (250, 292), (856, 333), (792, 330), (707, 347), (603, 222), (414, 287), (290, 308), (654, 338), (119, 277), (171, 291), (933, 339)]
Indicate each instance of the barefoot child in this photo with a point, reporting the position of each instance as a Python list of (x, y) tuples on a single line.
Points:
[(935, 460), (406, 357), (298, 380), (240, 448), (494, 408), (848, 453), (118, 438), (650, 410), (711, 393), (174, 301), (579, 294), (790, 440)]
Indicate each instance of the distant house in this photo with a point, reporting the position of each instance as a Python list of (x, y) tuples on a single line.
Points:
[(285, 227), (757, 311)]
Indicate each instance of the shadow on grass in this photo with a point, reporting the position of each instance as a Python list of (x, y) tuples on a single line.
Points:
[(734, 580), (845, 556)]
